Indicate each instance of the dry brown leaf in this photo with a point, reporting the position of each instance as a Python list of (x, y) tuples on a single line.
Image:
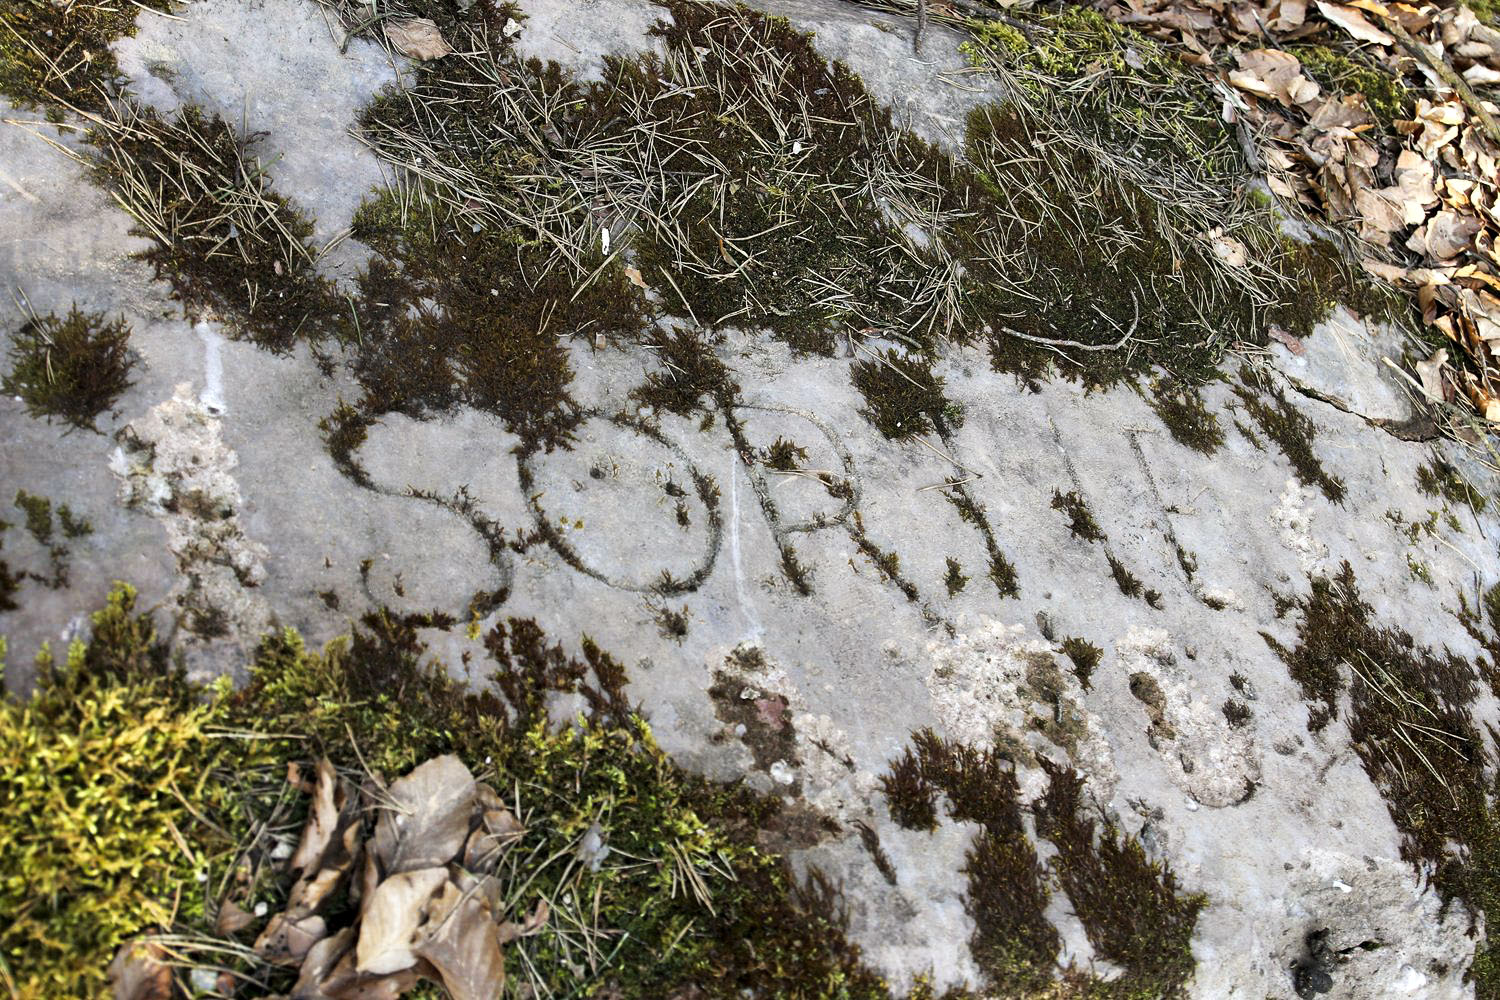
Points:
[(634, 274), (392, 915), (1380, 214), (322, 958), (462, 942), (1354, 22), (1273, 73), (511, 930), (1286, 340), (417, 38), (427, 820), (1444, 236), (1384, 271), (322, 820), (1226, 248), (138, 972), (231, 918), (1289, 15), (1430, 372), (286, 941)]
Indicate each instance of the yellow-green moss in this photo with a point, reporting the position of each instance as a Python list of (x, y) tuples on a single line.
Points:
[(91, 769)]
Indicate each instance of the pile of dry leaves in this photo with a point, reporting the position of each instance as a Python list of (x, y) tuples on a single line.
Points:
[(1420, 191), (423, 898)]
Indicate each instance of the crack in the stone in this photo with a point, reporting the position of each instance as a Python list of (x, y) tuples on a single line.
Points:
[(1416, 428)]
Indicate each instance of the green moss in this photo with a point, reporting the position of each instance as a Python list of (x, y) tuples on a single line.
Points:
[(784, 456), (1187, 419), (1131, 907), (90, 767), (344, 433), (689, 373), (887, 562), (954, 579), (1128, 582), (1236, 713), (54, 55), (73, 368), (1080, 519), (753, 929), (230, 247), (1002, 572), (903, 396), (1014, 944), (40, 525), (10, 583), (1437, 477), (1292, 431), (1346, 74), (1411, 722), (1085, 656), (453, 314)]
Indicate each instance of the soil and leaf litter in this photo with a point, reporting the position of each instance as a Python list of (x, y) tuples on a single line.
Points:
[(1100, 223)]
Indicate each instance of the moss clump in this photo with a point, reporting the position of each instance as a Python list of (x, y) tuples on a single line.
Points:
[(54, 55), (887, 562), (10, 580), (40, 525), (1128, 582), (1346, 74), (1292, 431), (903, 395), (689, 373), (1014, 944), (1412, 724), (784, 456), (1002, 572), (1438, 477), (1118, 86), (1187, 419), (954, 579), (89, 770), (73, 368), (453, 315), (344, 433), (1080, 519), (227, 243), (1085, 656), (1130, 906), (1236, 713)]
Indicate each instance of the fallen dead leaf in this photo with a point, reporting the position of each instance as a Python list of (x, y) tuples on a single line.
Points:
[(427, 821), (1430, 372), (1354, 23), (1228, 249), (1444, 236), (1286, 340), (1276, 74), (634, 274), (391, 918), (286, 941), (417, 38), (138, 972), (462, 942), (510, 930), (322, 820), (232, 918)]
